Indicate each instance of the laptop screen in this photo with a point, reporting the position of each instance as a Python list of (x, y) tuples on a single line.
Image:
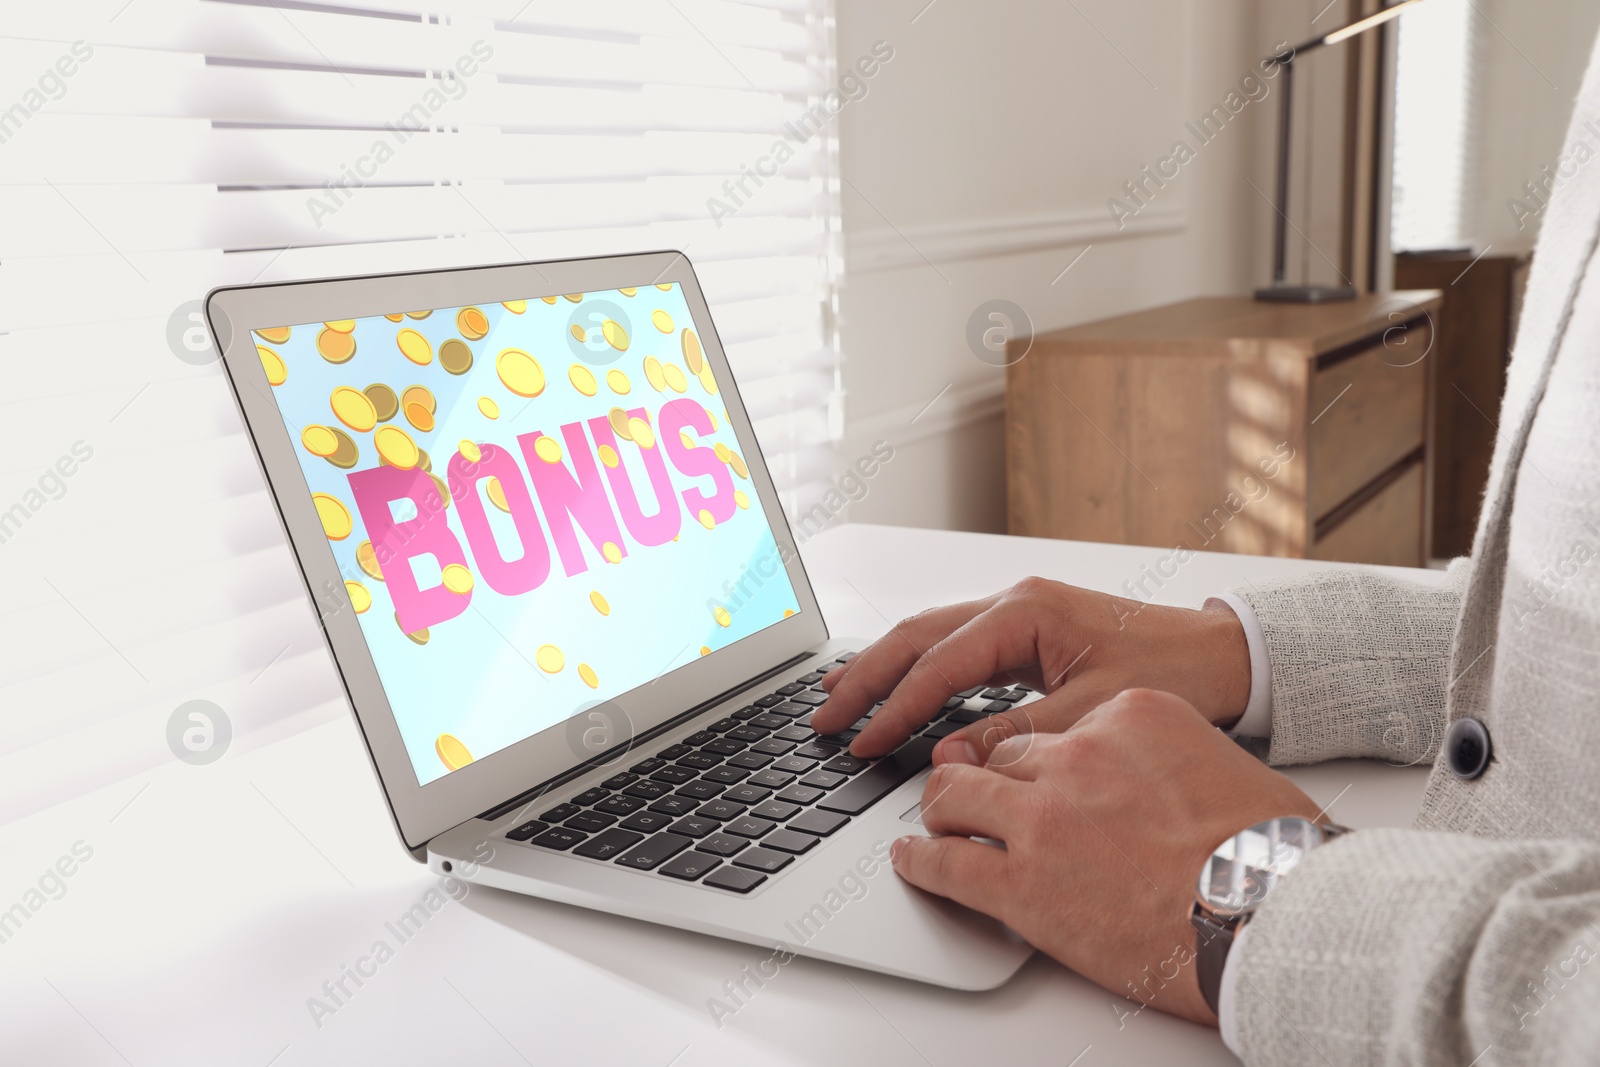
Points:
[(535, 505)]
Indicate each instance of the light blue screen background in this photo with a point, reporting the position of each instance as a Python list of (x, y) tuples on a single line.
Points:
[(475, 679)]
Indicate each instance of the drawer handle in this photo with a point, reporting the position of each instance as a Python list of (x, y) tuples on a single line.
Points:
[(1360, 497), (1366, 344)]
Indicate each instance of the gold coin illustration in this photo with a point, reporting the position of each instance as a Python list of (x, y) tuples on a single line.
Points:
[(419, 394), (384, 403), (360, 599), (319, 441), (341, 325), (420, 417), (652, 373), (683, 435), (276, 370), (347, 454), (470, 451), (640, 432), (414, 347), (740, 499), (590, 679), (615, 335), (708, 381), (497, 493), (396, 448), (619, 423), (618, 382), (662, 320), (712, 418), (693, 358), (579, 334), (336, 347), (611, 552), (472, 323), (452, 753), (457, 579), (274, 335), (705, 650), (706, 520), (722, 452), (549, 299), (334, 515), (549, 659), (600, 603), (396, 318), (582, 380), (608, 456), (488, 407), (367, 560), (424, 461), (444, 490), (665, 287), (418, 637), (418, 314), (516, 307), (547, 449), (520, 372), (352, 408), (455, 357), (722, 616), (788, 612), (630, 291), (674, 377), (738, 466), (574, 297)]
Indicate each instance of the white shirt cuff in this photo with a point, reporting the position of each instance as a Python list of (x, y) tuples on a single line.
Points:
[(1227, 1004), (1257, 718)]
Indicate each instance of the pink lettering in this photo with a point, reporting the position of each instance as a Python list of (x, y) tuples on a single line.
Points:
[(399, 542), (696, 462), (565, 498), (507, 577), (647, 530)]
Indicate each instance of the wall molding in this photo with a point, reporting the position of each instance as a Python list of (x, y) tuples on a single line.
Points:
[(958, 406), (885, 248)]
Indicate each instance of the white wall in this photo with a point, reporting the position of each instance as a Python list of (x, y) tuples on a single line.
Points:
[(980, 164)]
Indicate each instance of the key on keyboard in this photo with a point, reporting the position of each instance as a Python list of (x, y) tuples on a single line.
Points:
[(879, 780)]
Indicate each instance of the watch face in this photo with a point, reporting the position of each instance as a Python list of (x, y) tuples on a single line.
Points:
[(1244, 868)]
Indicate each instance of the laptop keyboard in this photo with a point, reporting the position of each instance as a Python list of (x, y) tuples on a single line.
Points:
[(744, 798)]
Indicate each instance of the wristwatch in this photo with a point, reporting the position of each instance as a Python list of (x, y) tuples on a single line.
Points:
[(1237, 878)]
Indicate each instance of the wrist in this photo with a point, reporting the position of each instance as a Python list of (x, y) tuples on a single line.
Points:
[(1226, 664)]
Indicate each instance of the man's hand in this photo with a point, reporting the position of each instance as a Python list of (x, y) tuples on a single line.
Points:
[(1105, 829), (1079, 646)]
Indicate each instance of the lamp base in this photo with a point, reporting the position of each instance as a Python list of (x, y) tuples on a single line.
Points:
[(1305, 294)]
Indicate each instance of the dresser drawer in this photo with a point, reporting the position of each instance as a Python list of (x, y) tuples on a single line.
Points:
[(1369, 415), (1385, 529)]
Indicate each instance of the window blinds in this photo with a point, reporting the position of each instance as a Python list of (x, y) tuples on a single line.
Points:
[(152, 149), (1435, 76)]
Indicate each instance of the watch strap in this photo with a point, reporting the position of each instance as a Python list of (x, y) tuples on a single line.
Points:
[(1212, 942)]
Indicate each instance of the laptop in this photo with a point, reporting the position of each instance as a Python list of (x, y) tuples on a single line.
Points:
[(568, 611)]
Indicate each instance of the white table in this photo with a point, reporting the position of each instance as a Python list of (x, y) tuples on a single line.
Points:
[(218, 899)]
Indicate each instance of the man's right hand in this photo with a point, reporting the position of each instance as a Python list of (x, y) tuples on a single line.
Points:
[(1049, 637)]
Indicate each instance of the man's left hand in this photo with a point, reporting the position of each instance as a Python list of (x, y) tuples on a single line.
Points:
[(1105, 829)]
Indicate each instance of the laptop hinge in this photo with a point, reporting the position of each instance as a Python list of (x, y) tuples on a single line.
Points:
[(599, 759)]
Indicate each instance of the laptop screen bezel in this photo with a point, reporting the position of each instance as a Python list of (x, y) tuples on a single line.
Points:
[(422, 811)]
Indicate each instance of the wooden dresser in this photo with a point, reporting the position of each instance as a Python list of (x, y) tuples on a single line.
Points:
[(1226, 425)]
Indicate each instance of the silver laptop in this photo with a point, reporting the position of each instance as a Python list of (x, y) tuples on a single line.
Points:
[(567, 608)]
